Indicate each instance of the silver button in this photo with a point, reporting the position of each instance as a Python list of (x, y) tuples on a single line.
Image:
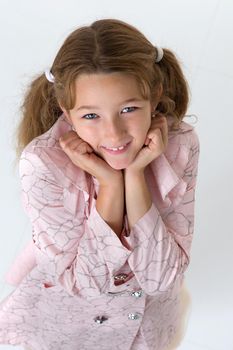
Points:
[(120, 277), (100, 319), (137, 294), (133, 316)]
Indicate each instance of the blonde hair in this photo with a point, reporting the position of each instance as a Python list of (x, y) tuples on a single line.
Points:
[(106, 46)]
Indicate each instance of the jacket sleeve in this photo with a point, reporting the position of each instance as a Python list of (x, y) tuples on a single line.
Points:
[(68, 252), (21, 266), (161, 244)]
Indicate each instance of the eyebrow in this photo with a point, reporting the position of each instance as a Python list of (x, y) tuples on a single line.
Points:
[(134, 99)]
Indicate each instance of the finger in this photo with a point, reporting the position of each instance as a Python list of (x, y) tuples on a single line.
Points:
[(155, 138), (70, 140), (147, 141), (84, 148), (164, 130), (76, 144), (78, 147), (70, 135), (158, 120), (71, 145), (161, 123)]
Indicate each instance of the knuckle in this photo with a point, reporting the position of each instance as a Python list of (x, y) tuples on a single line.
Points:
[(65, 145), (163, 119), (62, 141)]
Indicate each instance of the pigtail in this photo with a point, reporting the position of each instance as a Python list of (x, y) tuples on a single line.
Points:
[(175, 98), (39, 110)]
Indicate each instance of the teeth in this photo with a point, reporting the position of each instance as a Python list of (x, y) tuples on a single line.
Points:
[(116, 148)]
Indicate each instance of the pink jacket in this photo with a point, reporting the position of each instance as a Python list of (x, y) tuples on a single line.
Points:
[(79, 285)]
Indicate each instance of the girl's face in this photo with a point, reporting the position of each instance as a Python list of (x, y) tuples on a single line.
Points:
[(111, 115)]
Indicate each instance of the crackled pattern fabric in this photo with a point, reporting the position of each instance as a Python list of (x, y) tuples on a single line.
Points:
[(80, 286)]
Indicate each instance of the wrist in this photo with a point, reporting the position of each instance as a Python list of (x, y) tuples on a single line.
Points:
[(114, 180), (137, 194), (134, 173), (110, 202)]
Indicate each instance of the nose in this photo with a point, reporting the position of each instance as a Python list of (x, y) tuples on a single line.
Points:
[(115, 130)]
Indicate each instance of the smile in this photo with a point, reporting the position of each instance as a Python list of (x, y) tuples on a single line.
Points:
[(117, 150)]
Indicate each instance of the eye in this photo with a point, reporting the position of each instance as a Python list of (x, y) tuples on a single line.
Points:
[(132, 108), (89, 116)]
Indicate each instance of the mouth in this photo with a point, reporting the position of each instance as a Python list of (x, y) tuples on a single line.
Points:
[(117, 150)]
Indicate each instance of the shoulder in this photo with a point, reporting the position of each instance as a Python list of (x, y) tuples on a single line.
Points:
[(185, 136), (50, 139), (45, 157), (45, 149), (182, 144)]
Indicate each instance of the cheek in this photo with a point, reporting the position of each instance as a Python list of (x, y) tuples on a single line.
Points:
[(87, 135), (142, 130)]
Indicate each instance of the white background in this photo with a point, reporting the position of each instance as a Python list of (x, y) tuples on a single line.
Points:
[(200, 33)]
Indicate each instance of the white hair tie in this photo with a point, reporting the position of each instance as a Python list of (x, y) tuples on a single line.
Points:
[(159, 55), (49, 76)]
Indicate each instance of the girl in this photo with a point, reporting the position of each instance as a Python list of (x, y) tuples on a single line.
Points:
[(108, 171)]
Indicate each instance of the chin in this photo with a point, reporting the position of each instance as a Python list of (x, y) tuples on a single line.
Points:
[(119, 166)]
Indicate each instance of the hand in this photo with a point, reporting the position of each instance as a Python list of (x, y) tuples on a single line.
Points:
[(155, 144), (82, 155)]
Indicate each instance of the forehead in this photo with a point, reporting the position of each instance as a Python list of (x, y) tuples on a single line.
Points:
[(104, 85)]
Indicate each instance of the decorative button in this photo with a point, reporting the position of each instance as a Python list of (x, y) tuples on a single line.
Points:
[(137, 294), (100, 319), (48, 284), (120, 277), (133, 316)]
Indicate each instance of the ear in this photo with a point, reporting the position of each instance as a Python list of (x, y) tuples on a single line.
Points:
[(156, 97), (66, 113)]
